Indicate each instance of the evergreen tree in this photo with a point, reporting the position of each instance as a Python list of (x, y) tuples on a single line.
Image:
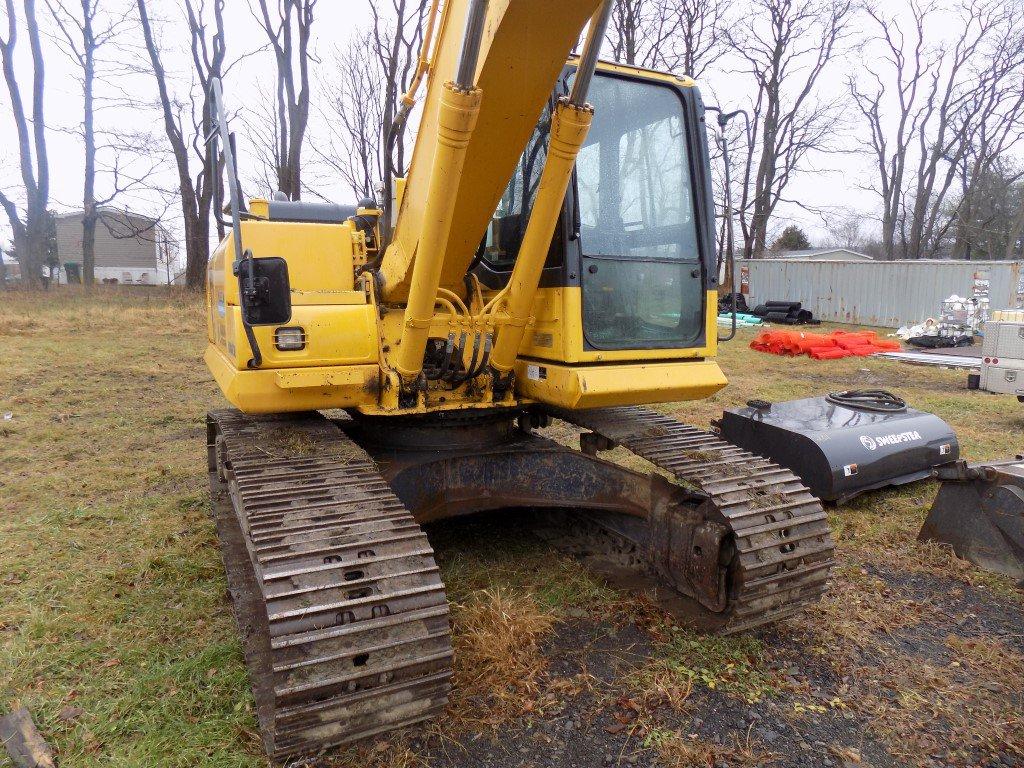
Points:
[(791, 239)]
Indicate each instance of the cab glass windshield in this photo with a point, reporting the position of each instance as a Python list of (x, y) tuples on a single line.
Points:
[(642, 280)]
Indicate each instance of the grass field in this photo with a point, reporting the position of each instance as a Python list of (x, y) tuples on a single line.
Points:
[(116, 634)]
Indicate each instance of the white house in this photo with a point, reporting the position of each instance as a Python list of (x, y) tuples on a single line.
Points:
[(125, 249)]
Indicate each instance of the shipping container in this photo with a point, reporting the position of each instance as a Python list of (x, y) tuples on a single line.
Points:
[(880, 293)]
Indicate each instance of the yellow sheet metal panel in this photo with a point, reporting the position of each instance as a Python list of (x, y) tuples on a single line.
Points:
[(312, 378), (344, 334), (314, 298), (319, 255), (524, 49), (683, 81), (261, 392), (216, 331), (711, 324), (545, 337), (600, 386)]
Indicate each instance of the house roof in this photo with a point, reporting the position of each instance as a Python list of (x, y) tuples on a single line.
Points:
[(106, 210), (817, 253)]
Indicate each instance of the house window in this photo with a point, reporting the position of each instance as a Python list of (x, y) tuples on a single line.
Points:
[(126, 277)]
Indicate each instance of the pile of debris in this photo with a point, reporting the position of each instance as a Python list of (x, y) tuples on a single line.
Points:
[(959, 321), (832, 346), (785, 312)]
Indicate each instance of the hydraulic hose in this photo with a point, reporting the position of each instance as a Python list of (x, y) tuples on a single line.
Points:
[(869, 400)]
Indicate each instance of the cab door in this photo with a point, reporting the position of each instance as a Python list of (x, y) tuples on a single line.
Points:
[(641, 269)]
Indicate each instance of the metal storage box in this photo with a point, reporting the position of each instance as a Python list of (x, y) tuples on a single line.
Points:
[(1002, 367)]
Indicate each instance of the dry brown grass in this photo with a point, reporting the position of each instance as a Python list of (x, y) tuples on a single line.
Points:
[(394, 753), (678, 750), (498, 663), (859, 607), (919, 707), (970, 707)]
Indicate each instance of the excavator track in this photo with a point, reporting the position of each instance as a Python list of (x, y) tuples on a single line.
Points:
[(783, 549), (340, 604)]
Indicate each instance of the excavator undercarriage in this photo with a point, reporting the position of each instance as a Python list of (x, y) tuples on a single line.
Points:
[(336, 591)]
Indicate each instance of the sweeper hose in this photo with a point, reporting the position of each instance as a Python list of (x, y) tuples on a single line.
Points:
[(869, 400)]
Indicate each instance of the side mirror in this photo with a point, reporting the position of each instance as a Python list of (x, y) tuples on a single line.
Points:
[(266, 294)]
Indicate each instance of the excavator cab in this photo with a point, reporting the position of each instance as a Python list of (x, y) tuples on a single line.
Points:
[(634, 241)]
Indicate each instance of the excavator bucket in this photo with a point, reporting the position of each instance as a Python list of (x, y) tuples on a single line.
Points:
[(979, 512)]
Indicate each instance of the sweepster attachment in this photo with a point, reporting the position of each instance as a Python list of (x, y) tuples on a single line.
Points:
[(846, 443)]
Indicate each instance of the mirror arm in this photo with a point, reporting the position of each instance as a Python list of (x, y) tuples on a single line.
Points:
[(245, 294), (730, 252)]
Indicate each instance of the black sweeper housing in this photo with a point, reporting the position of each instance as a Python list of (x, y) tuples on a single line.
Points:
[(845, 443)]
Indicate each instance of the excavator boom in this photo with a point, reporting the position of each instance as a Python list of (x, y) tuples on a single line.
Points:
[(522, 50)]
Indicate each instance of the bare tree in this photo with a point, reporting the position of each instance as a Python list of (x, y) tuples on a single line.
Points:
[(683, 36), (990, 127), (208, 59), (957, 108), (940, 151), (909, 64), (395, 48), (786, 45), (82, 34), (30, 232), (846, 230), (354, 116), (985, 225), (261, 126), (1015, 229), (367, 147), (288, 31)]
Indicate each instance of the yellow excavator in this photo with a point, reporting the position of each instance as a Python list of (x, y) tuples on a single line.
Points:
[(389, 366)]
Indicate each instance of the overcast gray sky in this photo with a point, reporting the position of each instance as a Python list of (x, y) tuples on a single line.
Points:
[(834, 182)]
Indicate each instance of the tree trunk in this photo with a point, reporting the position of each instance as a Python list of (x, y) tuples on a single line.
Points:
[(35, 249), (764, 181), (30, 235), (195, 208), (89, 212), (197, 241), (89, 218)]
